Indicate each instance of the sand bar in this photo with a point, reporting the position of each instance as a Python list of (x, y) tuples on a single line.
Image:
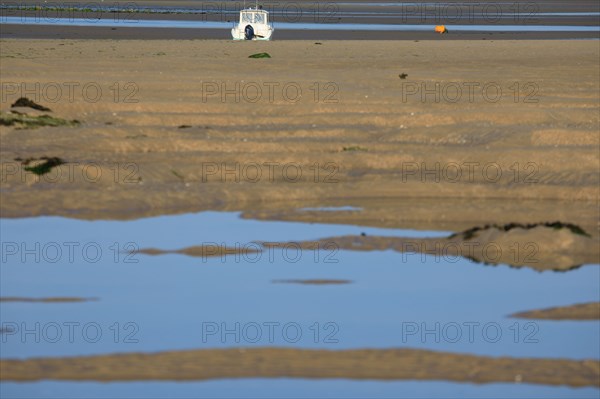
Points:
[(361, 364)]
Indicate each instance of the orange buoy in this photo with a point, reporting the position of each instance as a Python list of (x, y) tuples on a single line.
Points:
[(441, 29)]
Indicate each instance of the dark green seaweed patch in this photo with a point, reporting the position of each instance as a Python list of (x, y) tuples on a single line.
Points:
[(28, 121), (25, 102), (44, 167), (355, 148), (472, 232), (260, 55)]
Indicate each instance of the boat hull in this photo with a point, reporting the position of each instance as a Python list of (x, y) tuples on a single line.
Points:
[(260, 33)]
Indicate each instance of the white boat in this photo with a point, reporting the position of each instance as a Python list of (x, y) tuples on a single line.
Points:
[(253, 25)]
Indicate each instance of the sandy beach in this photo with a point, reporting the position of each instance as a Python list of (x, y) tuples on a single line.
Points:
[(181, 127), (486, 141)]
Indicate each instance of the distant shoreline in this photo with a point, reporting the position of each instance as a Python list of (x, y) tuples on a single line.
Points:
[(374, 21)]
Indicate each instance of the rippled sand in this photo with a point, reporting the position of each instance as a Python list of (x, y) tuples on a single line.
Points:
[(132, 159)]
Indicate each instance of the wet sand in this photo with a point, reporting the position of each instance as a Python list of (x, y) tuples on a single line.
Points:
[(581, 311), (362, 364), (540, 248), (203, 251), (46, 300), (546, 151), (13, 31), (313, 282)]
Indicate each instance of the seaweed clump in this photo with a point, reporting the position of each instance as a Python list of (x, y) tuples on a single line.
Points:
[(472, 232), (25, 102), (43, 167), (29, 121)]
